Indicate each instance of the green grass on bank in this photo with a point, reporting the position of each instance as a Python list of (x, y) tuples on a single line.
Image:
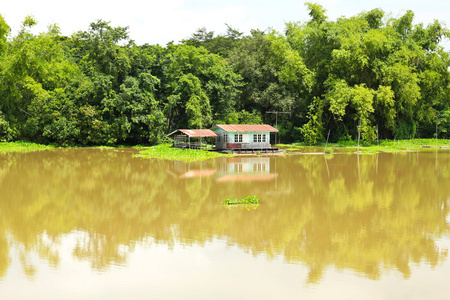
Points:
[(166, 151), (389, 146), (22, 146)]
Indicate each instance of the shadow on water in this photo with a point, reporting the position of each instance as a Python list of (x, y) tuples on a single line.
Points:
[(368, 213)]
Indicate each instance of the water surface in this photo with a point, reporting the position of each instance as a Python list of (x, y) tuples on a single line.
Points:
[(100, 224)]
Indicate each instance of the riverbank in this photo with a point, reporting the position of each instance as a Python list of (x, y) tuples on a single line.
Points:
[(387, 146), (166, 151), (22, 146)]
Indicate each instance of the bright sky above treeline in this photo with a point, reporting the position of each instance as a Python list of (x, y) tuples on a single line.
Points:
[(163, 21)]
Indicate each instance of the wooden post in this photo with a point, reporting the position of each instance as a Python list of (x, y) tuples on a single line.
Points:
[(377, 135), (359, 171), (276, 121), (436, 146), (326, 144), (359, 134), (436, 136)]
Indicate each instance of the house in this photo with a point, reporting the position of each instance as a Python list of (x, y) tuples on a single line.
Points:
[(242, 138)]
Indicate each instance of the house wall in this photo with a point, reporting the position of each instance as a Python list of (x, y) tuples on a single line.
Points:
[(247, 140), (221, 143)]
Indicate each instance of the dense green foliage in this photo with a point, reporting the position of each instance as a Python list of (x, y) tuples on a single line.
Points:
[(368, 73)]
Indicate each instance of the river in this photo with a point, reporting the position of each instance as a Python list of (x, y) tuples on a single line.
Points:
[(101, 224)]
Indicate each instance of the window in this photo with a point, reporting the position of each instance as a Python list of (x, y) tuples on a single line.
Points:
[(258, 138), (225, 138), (238, 138)]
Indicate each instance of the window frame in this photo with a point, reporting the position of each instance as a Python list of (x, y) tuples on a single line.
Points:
[(259, 138)]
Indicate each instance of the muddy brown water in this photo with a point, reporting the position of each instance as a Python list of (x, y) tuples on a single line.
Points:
[(100, 224)]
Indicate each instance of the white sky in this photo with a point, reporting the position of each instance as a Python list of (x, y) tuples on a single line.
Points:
[(162, 21)]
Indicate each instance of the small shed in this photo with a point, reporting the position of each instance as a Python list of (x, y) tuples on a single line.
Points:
[(243, 137), (192, 138)]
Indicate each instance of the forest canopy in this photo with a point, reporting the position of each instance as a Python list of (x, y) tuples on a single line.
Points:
[(370, 73)]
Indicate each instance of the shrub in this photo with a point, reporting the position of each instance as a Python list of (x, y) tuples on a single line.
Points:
[(6, 133)]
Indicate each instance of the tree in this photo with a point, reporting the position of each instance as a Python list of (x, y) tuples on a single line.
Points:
[(34, 69), (4, 32), (222, 44), (192, 71), (392, 74), (98, 50), (274, 75)]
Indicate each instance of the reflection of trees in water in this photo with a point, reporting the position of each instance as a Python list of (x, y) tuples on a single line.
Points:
[(380, 212), (93, 191), (5, 259), (6, 160), (386, 215), (97, 249)]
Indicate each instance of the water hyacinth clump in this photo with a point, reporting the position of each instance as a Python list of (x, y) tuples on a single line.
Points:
[(246, 200), (166, 151)]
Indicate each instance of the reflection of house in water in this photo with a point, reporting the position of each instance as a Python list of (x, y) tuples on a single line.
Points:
[(227, 169), (245, 169), (181, 169)]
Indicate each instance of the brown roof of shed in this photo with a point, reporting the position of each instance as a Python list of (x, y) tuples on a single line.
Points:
[(246, 128), (195, 132)]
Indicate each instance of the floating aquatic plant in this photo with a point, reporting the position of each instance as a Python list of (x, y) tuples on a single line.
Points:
[(246, 200)]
